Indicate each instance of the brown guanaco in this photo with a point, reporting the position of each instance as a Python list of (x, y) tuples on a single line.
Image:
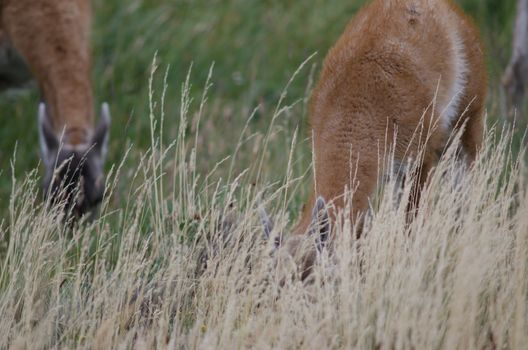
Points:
[(53, 39), (410, 69)]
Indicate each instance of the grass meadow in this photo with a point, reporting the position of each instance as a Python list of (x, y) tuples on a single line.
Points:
[(209, 102)]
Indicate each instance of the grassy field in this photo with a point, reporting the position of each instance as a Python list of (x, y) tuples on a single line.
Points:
[(255, 47), (209, 116)]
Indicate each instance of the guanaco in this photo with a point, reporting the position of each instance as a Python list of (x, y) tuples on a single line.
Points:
[(410, 69), (53, 39)]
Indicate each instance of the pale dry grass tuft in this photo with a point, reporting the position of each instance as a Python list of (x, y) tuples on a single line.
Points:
[(188, 268)]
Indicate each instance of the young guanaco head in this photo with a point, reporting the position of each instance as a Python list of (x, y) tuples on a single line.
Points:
[(74, 173), (301, 249)]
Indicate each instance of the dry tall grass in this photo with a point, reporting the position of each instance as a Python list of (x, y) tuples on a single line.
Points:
[(184, 265)]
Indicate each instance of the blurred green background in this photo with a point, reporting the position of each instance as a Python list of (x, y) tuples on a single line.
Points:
[(255, 45)]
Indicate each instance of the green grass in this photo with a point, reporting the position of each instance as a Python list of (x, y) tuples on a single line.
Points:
[(255, 46)]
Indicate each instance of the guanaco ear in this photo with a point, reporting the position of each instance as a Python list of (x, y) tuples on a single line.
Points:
[(267, 223), (49, 143), (102, 131), (320, 225)]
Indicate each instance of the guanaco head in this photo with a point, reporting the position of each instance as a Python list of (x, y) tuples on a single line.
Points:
[(74, 174), (301, 249)]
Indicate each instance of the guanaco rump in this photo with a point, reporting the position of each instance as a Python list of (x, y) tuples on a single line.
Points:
[(408, 71), (53, 39)]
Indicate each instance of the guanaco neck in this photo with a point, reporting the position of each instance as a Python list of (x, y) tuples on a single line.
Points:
[(53, 36)]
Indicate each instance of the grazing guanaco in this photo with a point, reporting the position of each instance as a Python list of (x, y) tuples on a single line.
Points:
[(53, 39), (408, 71)]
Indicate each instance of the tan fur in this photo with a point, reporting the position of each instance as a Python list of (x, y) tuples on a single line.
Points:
[(53, 36), (396, 60)]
